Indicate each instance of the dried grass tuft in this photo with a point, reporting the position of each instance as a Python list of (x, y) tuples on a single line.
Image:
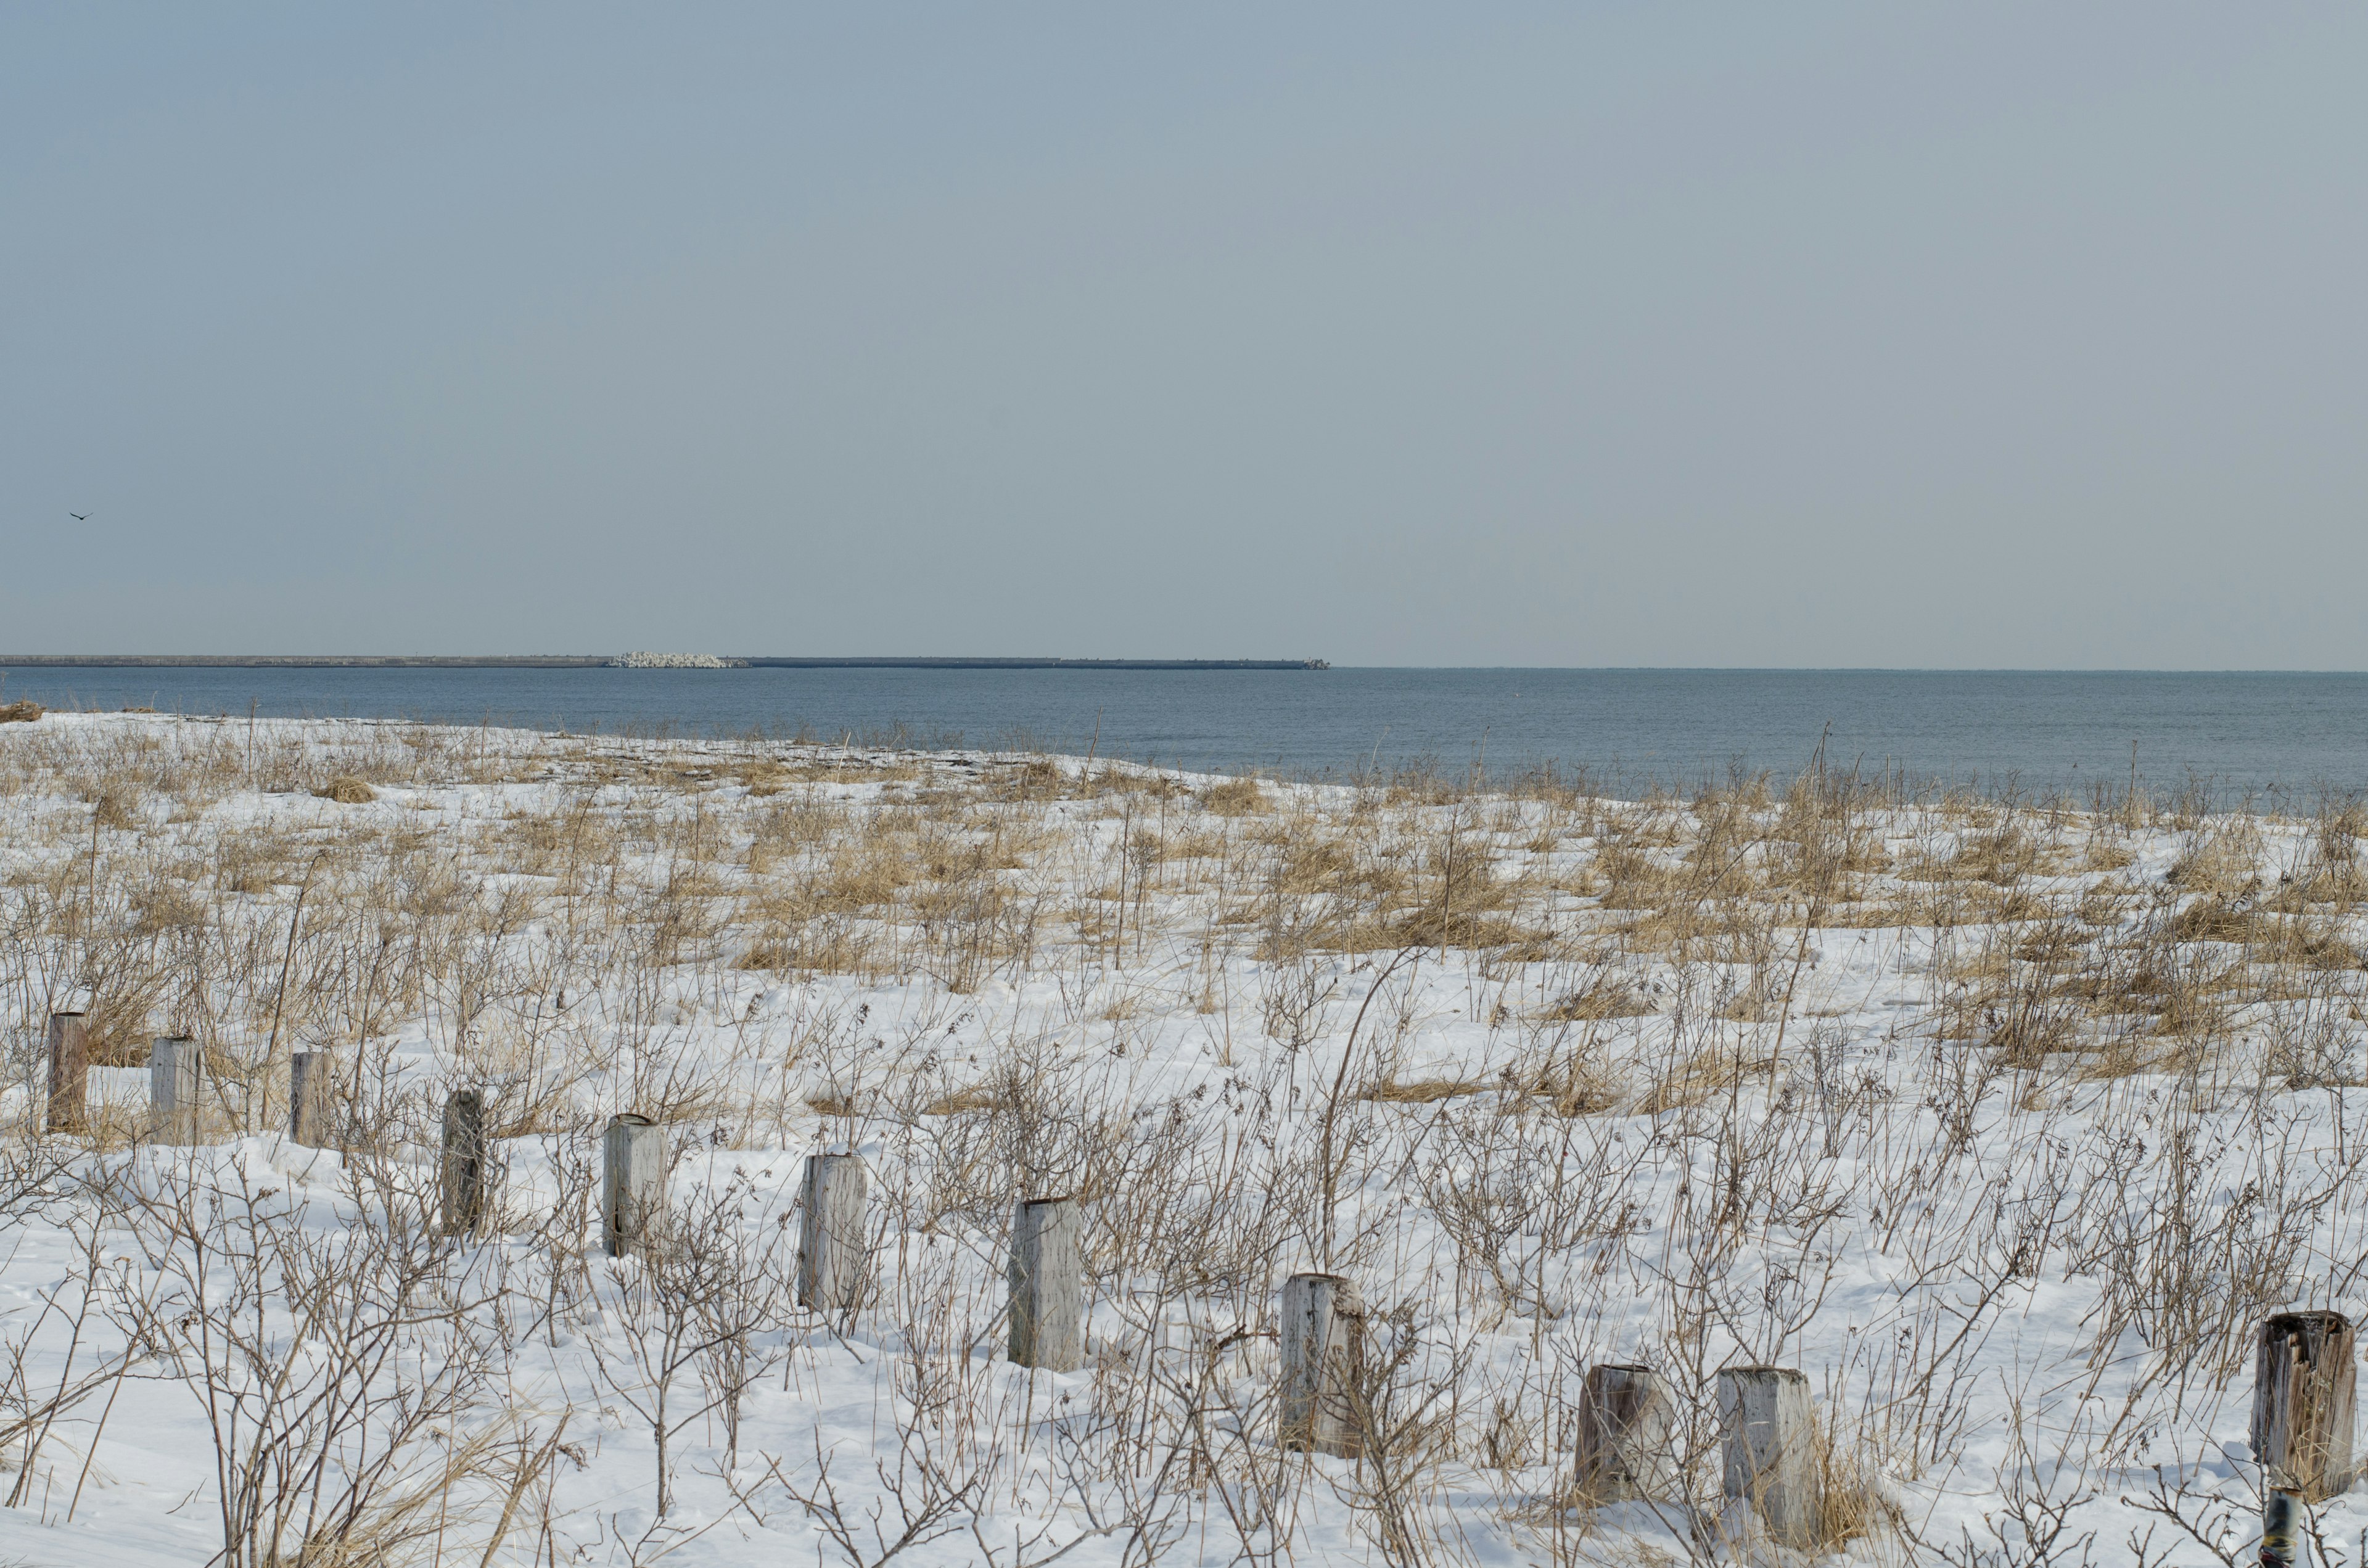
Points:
[(114, 806), (1428, 1091), (1235, 797)]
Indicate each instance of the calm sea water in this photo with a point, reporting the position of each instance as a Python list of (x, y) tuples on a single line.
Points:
[(2041, 730)]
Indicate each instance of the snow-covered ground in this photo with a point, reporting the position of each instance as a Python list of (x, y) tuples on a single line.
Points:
[(2006, 1126)]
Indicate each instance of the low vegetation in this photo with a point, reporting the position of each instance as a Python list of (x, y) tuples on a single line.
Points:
[(2004, 1118)]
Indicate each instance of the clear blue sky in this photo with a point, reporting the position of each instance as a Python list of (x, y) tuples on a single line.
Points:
[(1798, 334)]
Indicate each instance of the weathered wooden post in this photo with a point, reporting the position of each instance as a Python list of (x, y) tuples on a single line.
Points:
[(309, 1100), (832, 1268), (175, 1064), (1626, 1448), (68, 1107), (633, 1182), (2305, 1371), (464, 1162), (1771, 1451), (1322, 1353), (1047, 1278), (2280, 1541)]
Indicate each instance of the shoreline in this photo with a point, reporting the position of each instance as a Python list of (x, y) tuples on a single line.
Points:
[(605, 661)]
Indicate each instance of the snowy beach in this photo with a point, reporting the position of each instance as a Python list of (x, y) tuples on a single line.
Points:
[(2006, 1124)]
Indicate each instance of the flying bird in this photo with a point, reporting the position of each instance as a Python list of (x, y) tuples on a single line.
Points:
[(79, 517)]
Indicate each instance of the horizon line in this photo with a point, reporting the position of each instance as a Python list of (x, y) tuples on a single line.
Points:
[(1025, 662)]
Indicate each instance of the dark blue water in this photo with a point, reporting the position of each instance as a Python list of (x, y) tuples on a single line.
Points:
[(2040, 730)]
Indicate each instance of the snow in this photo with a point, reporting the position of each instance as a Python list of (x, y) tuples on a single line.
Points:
[(2023, 1291)]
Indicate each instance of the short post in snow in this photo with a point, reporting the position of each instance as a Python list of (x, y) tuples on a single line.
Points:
[(2281, 1509), (2304, 1372), (309, 1099), (633, 1183), (1046, 1274), (69, 1106), (1322, 1353), (465, 1176), (174, 1067), (1625, 1446), (832, 1267), (1770, 1449)]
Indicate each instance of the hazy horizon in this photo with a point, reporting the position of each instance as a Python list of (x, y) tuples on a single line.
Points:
[(232, 659), (1830, 338)]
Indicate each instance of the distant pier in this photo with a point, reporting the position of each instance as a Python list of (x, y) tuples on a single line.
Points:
[(302, 661), (600, 660), (1038, 663)]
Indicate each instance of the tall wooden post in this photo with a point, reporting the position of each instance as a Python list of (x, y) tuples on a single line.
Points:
[(633, 1183), (1047, 1278), (2305, 1370), (465, 1177), (1626, 1447), (1323, 1354), (309, 1102), (174, 1065), (1770, 1452), (832, 1267), (69, 1105)]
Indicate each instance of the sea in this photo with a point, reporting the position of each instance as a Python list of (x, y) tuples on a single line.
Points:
[(2232, 735)]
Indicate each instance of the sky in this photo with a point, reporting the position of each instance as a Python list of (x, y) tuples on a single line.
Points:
[(2010, 336)]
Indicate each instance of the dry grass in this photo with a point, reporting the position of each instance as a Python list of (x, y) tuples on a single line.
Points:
[(1235, 797), (1426, 1091), (1582, 1073)]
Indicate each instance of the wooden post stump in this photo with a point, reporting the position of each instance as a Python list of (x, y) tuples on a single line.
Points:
[(175, 1083), (2305, 1367), (69, 1105), (633, 1183), (1770, 1449), (832, 1267), (1625, 1446), (1323, 1352), (2281, 1509), (309, 1102), (1047, 1278), (465, 1176)]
